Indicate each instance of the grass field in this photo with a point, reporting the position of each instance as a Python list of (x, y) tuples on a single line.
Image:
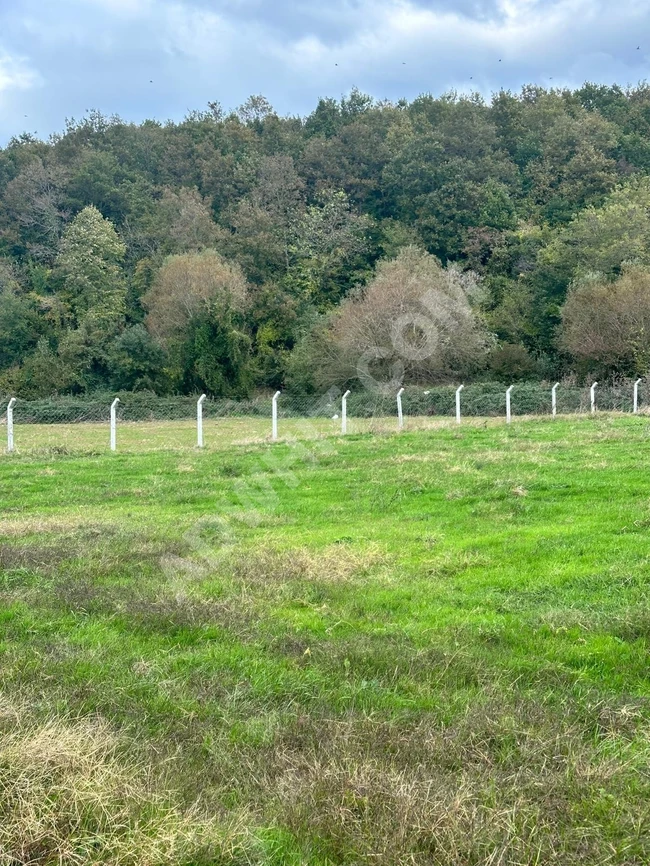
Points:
[(425, 648), (94, 438)]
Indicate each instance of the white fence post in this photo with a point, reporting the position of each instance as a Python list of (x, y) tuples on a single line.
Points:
[(114, 423), (458, 390), (636, 395), (593, 398), (554, 398), (10, 425), (508, 412), (400, 414), (199, 420), (274, 414), (344, 412)]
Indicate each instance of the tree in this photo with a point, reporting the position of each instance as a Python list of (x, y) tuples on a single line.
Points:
[(188, 285), (598, 240), (217, 354), (43, 373), (89, 268), (35, 212), (331, 240), (414, 322), (265, 221), (606, 325), (136, 362), (184, 222), (19, 322), (195, 309)]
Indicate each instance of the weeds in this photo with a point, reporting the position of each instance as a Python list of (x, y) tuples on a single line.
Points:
[(429, 650), (68, 795)]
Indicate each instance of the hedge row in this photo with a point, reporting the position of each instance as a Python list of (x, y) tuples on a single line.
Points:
[(481, 399)]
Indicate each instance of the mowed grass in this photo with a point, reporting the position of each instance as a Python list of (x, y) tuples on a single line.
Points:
[(419, 648)]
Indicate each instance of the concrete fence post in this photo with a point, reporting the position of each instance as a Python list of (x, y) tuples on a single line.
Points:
[(400, 414), (10, 425), (274, 416), (636, 395), (508, 412), (593, 398), (344, 412), (458, 390), (199, 420), (114, 423), (554, 398)]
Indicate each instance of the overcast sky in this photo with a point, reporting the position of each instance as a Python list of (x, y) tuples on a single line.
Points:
[(161, 58)]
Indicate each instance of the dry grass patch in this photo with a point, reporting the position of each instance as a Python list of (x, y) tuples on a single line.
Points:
[(57, 525), (69, 795), (333, 564), (33, 557)]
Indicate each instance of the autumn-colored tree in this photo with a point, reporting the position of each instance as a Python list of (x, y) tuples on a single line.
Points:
[(188, 285), (606, 325), (413, 322), (195, 309)]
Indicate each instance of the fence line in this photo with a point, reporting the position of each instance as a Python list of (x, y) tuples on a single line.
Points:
[(367, 410)]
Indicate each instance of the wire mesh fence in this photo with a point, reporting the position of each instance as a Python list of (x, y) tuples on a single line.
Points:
[(147, 422)]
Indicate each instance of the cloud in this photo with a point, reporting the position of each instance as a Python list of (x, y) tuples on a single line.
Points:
[(15, 73), (160, 58), (195, 32)]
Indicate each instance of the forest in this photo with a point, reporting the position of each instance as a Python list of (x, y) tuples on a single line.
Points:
[(444, 239)]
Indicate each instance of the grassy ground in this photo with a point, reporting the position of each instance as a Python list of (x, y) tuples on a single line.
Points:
[(94, 438), (425, 648)]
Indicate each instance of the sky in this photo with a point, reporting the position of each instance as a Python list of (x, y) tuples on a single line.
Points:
[(162, 58)]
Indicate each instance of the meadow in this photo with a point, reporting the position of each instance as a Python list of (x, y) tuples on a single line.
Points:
[(94, 437), (420, 648)]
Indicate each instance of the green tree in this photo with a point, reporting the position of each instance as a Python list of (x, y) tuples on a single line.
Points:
[(196, 309), (20, 326), (136, 362), (89, 269), (598, 240), (329, 250)]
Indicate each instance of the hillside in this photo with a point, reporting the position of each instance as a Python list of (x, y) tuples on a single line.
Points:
[(268, 223)]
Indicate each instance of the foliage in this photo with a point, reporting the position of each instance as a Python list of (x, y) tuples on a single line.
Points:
[(414, 321), (531, 191), (606, 325), (88, 268)]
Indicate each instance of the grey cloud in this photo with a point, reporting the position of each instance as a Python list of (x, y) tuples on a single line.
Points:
[(80, 54)]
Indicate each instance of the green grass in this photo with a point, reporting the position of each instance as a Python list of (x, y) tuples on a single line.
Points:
[(94, 438), (424, 648)]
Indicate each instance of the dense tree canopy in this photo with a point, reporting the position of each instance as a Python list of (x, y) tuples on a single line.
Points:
[(222, 252)]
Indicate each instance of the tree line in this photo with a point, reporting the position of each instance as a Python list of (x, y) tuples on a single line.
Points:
[(425, 241)]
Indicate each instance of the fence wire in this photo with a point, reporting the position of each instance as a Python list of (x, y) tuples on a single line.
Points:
[(146, 422)]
